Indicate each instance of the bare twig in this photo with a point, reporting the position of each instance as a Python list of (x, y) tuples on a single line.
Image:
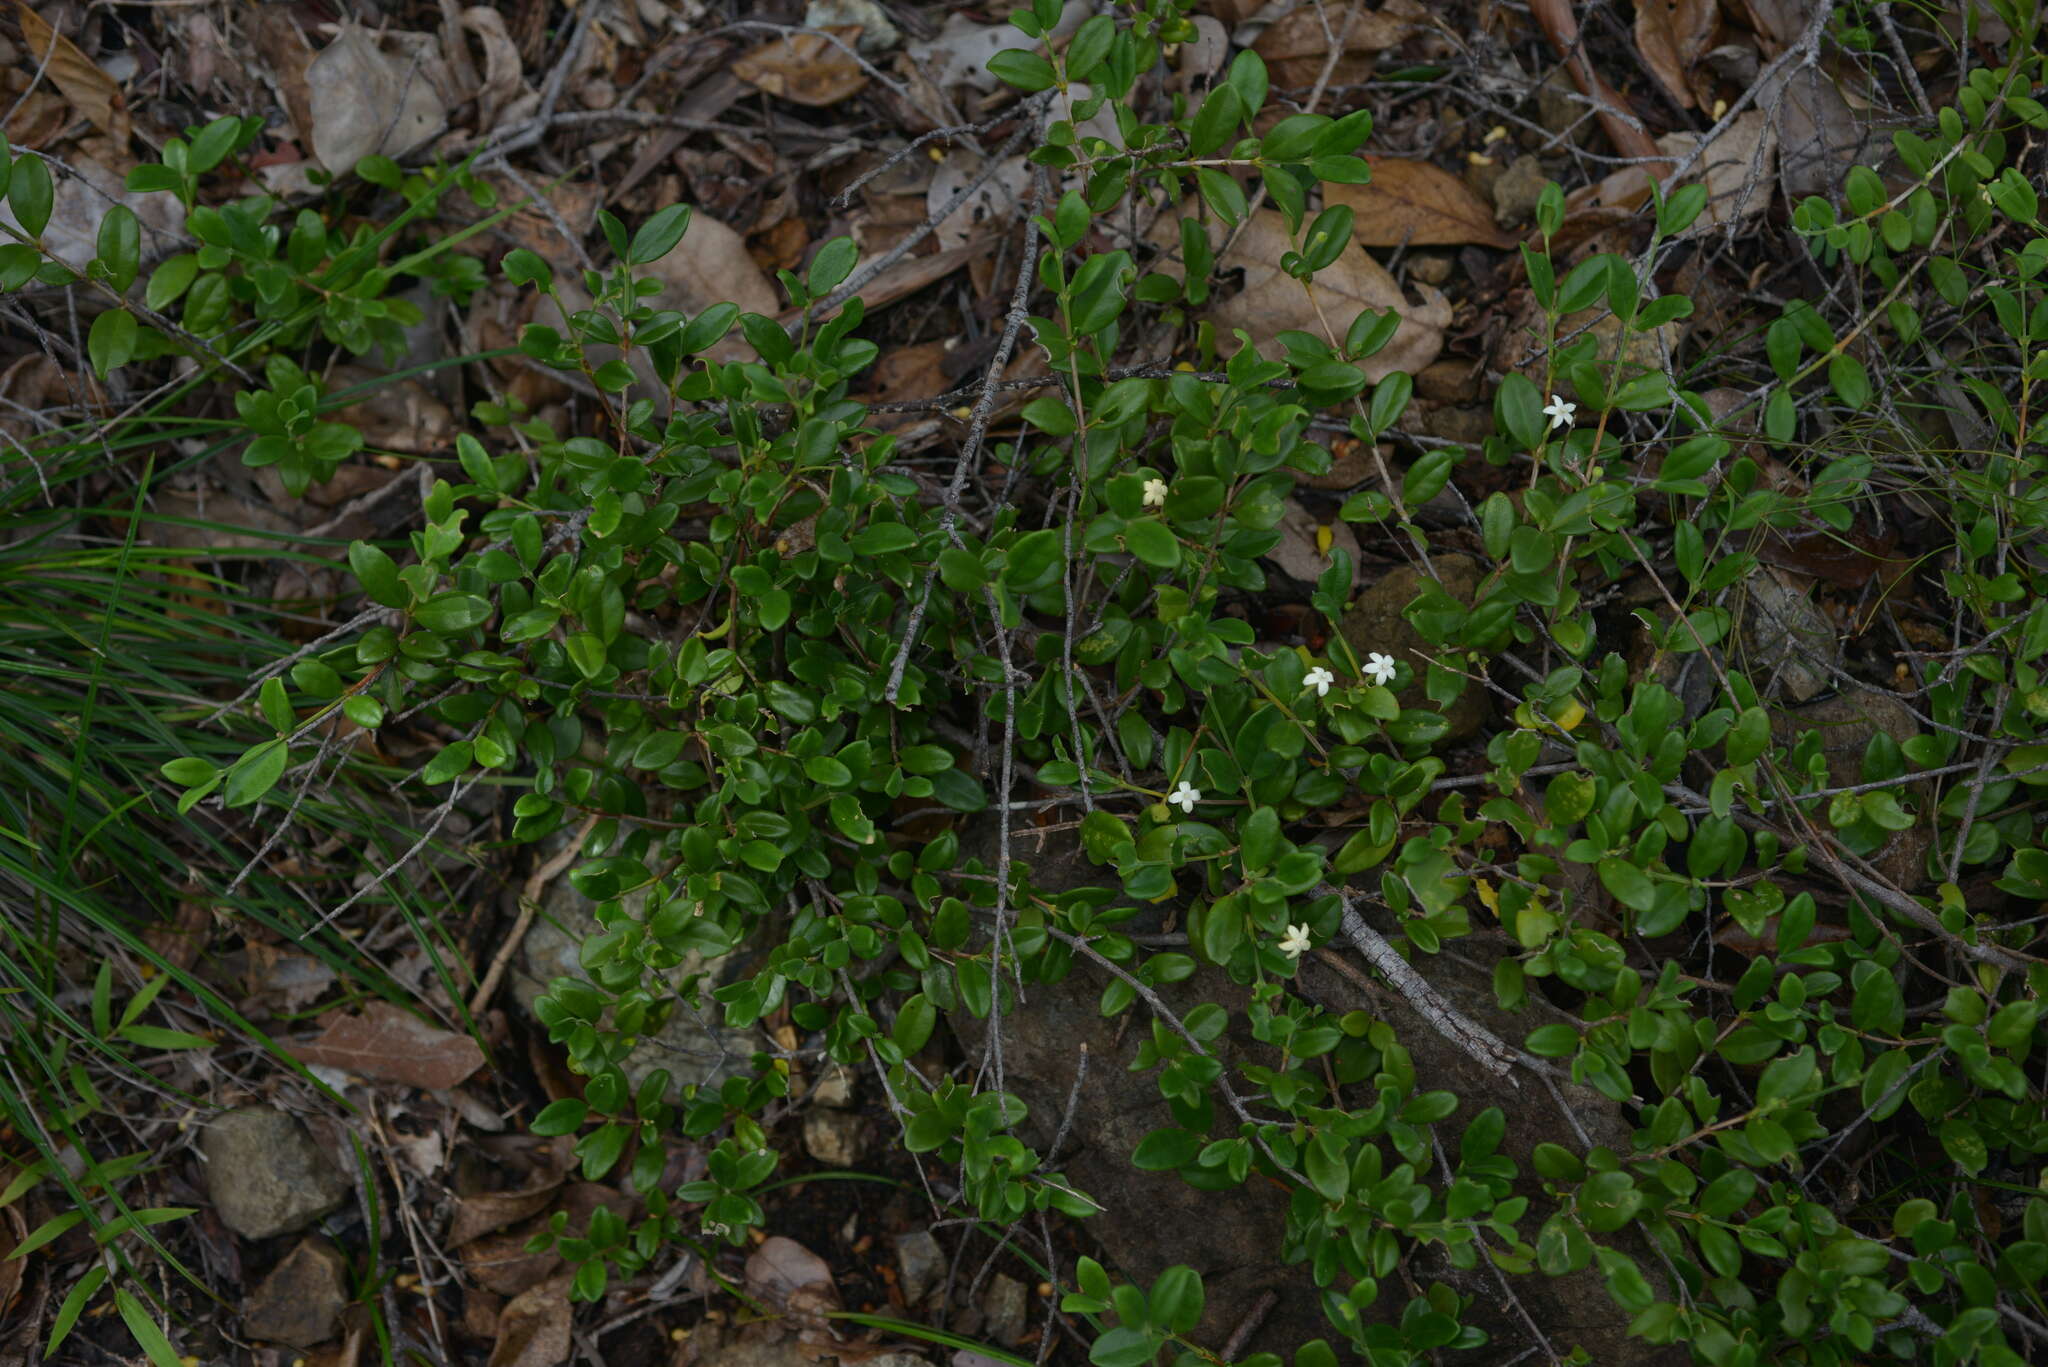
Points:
[(529, 907)]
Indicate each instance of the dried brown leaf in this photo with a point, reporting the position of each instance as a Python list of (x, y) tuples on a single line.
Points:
[(1672, 35), (1271, 302), (1307, 547), (1296, 47), (1418, 204), (390, 1044), (486, 1212), (805, 68), (783, 1271), (533, 1328), (92, 92), (364, 100)]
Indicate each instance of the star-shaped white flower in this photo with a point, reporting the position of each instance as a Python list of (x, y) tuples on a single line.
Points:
[(1295, 942), (1560, 413), (1185, 797), (1379, 668), (1155, 493), (1320, 680)]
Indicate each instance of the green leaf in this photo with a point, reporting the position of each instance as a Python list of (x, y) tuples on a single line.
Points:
[(172, 277), (120, 247), (833, 263), (378, 574), (112, 340), (915, 1020), (1175, 1302), (149, 1336), (446, 613), (75, 1300), (828, 772), (562, 1116), (1025, 70), (1152, 543), (29, 194), (1630, 885), (1165, 1149), (1849, 380), (256, 773), (658, 235)]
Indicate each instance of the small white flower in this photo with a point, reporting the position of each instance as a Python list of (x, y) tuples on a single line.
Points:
[(1155, 493), (1295, 941), (1320, 680), (1379, 668), (1560, 413), (1185, 797)]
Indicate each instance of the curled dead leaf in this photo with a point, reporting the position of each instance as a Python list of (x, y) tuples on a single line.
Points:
[(1417, 204), (533, 1328), (805, 68), (92, 92), (363, 99), (1672, 36)]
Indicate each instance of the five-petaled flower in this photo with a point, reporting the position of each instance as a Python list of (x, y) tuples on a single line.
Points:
[(1560, 413), (1185, 797), (1295, 941), (1320, 680), (1155, 493), (1379, 668)]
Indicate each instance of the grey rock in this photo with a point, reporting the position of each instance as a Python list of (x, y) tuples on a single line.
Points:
[(835, 1138), (690, 1042), (919, 1263), (1787, 645), (1516, 192), (1846, 724), (301, 1301), (1004, 1304), (877, 33), (266, 1175), (1376, 622), (1151, 1220)]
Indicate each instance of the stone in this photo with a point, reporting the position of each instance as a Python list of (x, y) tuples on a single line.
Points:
[(1235, 1235), (1846, 723), (691, 1042), (1448, 382), (835, 1138), (1431, 268), (1376, 622), (265, 1174), (1004, 1305), (1786, 644), (919, 1264), (834, 1087), (1466, 425), (1516, 192), (301, 1301)]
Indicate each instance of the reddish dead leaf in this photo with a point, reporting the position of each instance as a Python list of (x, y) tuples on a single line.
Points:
[(805, 68), (92, 92), (1418, 204), (486, 1212), (533, 1329), (1672, 35), (1296, 47), (1848, 560), (392, 1045)]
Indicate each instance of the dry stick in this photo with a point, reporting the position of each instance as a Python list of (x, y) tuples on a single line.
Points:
[(1475, 1039), (1249, 1325), (1628, 136), (529, 907), (925, 229), (1891, 897), (977, 429)]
